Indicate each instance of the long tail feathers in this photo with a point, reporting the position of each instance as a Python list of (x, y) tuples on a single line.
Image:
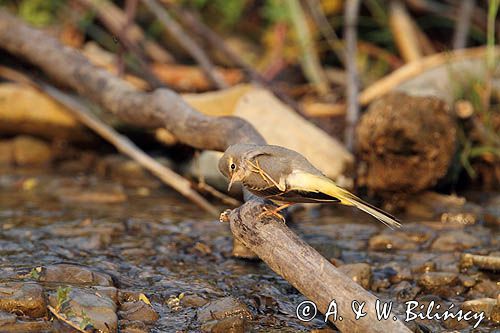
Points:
[(325, 185), (377, 213)]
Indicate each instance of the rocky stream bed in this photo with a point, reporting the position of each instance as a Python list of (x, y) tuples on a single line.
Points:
[(109, 253)]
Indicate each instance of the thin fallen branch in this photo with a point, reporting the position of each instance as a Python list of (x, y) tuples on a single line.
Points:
[(350, 37), (286, 254), (65, 320), (404, 33), (413, 69), (463, 23), (127, 147), (326, 30), (309, 272), (186, 42), (309, 59), (116, 21)]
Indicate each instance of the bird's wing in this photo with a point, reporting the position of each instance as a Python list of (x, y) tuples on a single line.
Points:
[(321, 185), (265, 172)]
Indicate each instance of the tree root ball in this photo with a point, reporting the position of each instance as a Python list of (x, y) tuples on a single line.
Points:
[(406, 143)]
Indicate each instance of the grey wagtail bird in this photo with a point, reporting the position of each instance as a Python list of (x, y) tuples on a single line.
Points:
[(286, 177)]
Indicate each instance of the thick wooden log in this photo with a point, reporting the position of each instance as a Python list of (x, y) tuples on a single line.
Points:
[(308, 271)]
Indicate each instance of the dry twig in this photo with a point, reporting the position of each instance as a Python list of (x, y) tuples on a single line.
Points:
[(186, 42), (350, 37), (404, 33), (194, 23), (309, 60), (463, 23), (127, 147)]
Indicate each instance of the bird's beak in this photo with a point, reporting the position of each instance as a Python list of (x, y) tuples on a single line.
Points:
[(234, 178)]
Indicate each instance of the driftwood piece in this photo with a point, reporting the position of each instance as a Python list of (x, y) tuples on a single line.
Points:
[(287, 254), (309, 272)]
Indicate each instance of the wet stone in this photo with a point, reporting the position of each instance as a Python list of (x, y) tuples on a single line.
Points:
[(31, 151), (479, 305), (222, 308), (484, 288), (74, 274), (456, 240), (194, 301), (135, 326), (101, 310), (402, 272), (96, 193), (224, 315), (421, 262), (392, 241), (433, 280), (138, 311), (405, 291), (360, 273), (23, 298), (25, 326), (230, 325)]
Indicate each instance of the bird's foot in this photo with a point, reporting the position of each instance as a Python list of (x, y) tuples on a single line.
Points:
[(271, 212)]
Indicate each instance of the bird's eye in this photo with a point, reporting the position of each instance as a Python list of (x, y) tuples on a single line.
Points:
[(233, 166)]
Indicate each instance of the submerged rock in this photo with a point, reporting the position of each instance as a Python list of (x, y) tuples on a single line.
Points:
[(138, 311), (74, 274), (431, 280), (100, 310), (485, 305), (224, 315), (360, 273), (24, 298), (456, 240)]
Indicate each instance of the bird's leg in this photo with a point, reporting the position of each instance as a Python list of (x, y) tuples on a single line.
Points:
[(275, 212)]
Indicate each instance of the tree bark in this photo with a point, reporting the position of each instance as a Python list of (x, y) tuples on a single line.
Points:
[(284, 251)]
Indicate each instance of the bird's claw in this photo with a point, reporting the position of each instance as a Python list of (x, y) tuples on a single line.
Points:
[(272, 212)]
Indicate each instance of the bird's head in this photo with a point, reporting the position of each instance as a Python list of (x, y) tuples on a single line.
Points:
[(230, 165)]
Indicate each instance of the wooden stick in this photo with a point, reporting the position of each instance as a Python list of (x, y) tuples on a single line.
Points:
[(326, 30), (116, 20), (410, 70), (302, 266), (404, 33), (463, 23), (350, 37), (127, 147), (186, 42), (190, 20), (309, 60)]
